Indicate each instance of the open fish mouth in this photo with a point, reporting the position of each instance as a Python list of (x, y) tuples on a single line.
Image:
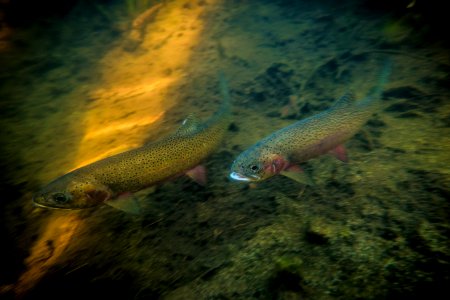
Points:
[(239, 177)]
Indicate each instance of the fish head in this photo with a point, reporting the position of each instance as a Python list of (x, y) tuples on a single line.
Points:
[(70, 192), (257, 165)]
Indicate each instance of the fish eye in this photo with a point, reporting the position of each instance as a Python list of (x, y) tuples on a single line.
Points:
[(254, 168), (59, 197)]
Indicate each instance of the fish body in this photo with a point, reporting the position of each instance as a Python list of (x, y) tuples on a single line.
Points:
[(280, 152), (139, 168)]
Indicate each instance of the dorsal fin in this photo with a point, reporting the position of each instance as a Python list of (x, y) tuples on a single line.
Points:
[(346, 100), (189, 125)]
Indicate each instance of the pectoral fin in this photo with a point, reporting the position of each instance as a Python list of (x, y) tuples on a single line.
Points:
[(296, 173), (198, 174), (126, 202)]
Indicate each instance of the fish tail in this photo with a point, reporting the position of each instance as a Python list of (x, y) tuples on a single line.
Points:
[(373, 99), (225, 92), (223, 114)]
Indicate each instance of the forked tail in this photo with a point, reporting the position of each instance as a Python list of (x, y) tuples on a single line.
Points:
[(225, 93), (223, 114), (373, 99)]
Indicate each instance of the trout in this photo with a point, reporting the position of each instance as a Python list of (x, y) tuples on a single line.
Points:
[(283, 150), (103, 181)]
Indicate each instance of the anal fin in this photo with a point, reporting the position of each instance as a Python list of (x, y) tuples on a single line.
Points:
[(198, 174), (340, 153)]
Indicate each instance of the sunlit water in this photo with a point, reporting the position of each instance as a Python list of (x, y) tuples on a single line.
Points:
[(108, 76)]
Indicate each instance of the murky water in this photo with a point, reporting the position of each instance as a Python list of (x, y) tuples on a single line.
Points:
[(92, 79)]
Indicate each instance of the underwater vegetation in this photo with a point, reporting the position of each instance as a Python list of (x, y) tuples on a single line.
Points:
[(88, 80)]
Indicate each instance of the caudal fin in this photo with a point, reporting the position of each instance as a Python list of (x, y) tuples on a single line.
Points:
[(225, 92), (374, 96)]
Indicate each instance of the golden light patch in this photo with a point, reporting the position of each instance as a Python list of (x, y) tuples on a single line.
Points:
[(124, 107), (135, 82), (56, 237)]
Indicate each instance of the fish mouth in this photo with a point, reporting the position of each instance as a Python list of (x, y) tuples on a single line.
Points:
[(52, 207), (240, 177), (37, 200), (37, 204)]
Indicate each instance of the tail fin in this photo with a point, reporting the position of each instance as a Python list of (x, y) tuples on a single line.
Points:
[(224, 111), (225, 92), (374, 97)]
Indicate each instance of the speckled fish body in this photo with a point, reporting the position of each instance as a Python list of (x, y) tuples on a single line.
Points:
[(139, 168), (308, 138)]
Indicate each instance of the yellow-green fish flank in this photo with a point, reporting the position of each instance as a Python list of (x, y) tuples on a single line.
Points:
[(279, 152), (142, 167)]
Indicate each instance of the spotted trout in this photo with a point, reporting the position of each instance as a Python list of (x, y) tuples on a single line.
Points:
[(283, 150), (106, 180)]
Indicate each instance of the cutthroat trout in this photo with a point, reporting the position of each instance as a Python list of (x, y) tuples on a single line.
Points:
[(106, 179), (280, 152)]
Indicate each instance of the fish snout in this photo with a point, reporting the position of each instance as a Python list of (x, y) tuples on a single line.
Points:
[(238, 177), (39, 200)]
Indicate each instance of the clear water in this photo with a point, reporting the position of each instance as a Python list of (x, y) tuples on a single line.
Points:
[(84, 80)]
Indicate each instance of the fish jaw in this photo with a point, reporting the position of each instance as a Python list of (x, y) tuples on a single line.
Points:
[(37, 203), (239, 177)]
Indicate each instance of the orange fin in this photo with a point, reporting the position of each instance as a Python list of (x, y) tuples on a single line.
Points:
[(198, 174), (340, 153)]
